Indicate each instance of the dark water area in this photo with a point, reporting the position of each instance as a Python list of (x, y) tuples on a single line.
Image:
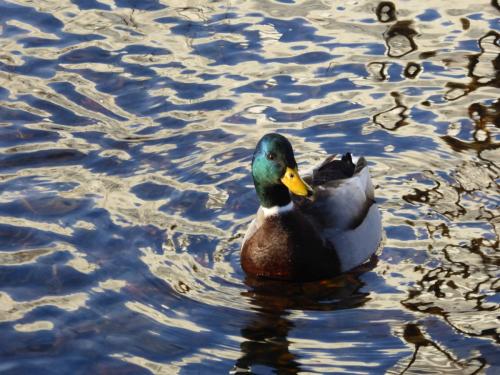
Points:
[(126, 134)]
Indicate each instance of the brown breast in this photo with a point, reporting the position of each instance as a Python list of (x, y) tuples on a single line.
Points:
[(288, 247)]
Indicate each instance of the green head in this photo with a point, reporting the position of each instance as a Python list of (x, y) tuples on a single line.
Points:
[(274, 171)]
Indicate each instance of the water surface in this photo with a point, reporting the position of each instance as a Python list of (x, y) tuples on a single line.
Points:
[(127, 129)]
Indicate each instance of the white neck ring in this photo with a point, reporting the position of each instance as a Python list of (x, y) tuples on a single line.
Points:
[(277, 210)]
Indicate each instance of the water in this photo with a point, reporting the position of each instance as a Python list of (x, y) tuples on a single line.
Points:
[(127, 129)]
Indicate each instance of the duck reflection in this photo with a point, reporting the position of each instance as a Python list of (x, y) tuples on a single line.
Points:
[(266, 335)]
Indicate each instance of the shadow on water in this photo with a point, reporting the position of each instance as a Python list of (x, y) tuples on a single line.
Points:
[(266, 335)]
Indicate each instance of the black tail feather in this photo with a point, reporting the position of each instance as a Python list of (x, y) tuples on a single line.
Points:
[(332, 169)]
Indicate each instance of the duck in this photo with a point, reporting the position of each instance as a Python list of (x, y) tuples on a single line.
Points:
[(313, 227)]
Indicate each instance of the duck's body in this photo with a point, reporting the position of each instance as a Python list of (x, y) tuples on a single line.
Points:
[(297, 238)]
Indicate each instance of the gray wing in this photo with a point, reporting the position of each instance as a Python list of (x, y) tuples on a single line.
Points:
[(344, 212), (338, 202)]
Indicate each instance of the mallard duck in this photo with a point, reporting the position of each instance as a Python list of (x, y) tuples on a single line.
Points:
[(311, 228)]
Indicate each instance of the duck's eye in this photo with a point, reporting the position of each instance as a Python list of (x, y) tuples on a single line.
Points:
[(291, 175), (270, 156)]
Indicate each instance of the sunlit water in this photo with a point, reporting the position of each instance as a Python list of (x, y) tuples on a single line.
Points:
[(127, 129)]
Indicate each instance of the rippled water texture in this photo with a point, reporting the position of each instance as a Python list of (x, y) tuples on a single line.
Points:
[(127, 129)]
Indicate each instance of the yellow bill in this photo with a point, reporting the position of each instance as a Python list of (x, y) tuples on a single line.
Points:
[(294, 183)]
